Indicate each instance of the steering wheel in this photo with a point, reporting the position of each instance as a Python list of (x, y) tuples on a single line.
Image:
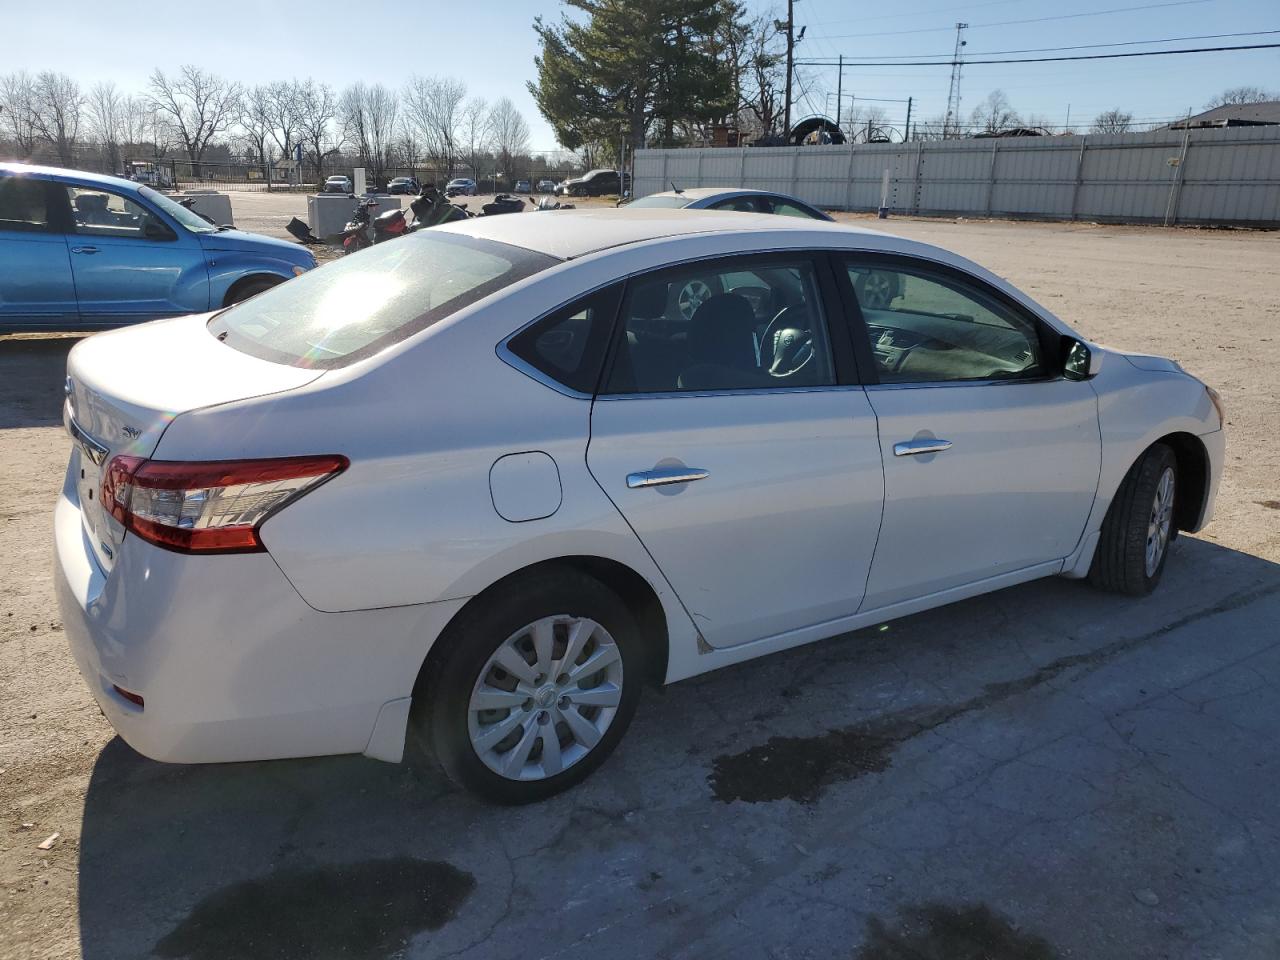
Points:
[(790, 345)]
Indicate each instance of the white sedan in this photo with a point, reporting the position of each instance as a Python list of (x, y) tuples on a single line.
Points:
[(487, 481)]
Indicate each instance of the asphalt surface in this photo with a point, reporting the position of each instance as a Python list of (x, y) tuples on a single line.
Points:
[(1046, 772)]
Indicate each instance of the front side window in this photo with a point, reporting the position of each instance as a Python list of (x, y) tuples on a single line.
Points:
[(785, 208), (740, 204), (361, 304), (100, 213), (736, 324), (23, 204), (928, 326)]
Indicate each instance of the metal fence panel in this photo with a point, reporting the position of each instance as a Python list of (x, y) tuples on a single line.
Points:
[(1221, 176)]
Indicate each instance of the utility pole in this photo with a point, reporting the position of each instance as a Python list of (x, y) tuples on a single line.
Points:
[(951, 124), (839, 89), (908, 136), (791, 44)]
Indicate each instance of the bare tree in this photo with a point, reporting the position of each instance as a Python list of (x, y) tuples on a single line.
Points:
[(867, 124), (434, 108), (316, 110), (1114, 120), (474, 134), (283, 110), (57, 109), (1241, 95), (368, 117), (200, 105), (255, 121), (510, 133), (995, 114), (106, 115), (17, 110)]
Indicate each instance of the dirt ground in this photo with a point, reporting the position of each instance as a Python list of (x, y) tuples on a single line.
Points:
[(1043, 773)]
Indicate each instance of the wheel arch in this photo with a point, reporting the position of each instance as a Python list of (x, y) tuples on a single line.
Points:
[(249, 278), (1193, 478), (634, 590)]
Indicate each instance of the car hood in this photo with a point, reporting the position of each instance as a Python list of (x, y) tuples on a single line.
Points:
[(239, 241), (1149, 362)]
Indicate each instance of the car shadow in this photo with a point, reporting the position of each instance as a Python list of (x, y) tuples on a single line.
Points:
[(346, 856), (32, 373)]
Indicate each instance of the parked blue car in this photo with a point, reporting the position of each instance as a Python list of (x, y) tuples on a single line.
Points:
[(80, 251)]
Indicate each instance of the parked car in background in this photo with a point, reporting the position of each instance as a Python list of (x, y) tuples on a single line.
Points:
[(522, 186), (404, 185), (461, 185), (692, 446), (875, 288), (79, 251), (546, 186), (593, 183), (338, 184)]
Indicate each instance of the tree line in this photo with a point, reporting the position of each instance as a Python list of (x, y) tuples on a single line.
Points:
[(199, 115)]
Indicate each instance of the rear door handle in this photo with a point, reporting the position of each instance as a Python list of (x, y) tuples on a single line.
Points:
[(913, 448), (84, 249), (664, 475)]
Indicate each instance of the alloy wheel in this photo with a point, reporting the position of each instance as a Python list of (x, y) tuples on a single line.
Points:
[(692, 295), (545, 698), (1160, 521)]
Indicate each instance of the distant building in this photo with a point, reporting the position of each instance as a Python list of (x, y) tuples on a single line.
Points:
[(1266, 113)]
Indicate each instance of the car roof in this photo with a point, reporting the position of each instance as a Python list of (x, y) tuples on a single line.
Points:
[(701, 193), (574, 233), (62, 173)]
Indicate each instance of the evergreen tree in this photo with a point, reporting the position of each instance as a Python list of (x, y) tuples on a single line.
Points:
[(633, 69)]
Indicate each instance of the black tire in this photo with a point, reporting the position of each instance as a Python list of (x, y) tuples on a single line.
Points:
[(442, 700), (877, 289), (1120, 561), (252, 288)]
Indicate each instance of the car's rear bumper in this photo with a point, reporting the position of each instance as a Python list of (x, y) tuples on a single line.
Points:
[(231, 662)]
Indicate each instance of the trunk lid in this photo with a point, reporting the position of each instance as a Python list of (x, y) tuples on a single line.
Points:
[(125, 387)]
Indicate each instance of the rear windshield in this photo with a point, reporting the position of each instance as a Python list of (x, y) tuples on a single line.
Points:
[(354, 307), (660, 200)]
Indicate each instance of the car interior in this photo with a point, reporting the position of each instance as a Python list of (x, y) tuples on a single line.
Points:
[(22, 204), (100, 214), (707, 329), (932, 330)]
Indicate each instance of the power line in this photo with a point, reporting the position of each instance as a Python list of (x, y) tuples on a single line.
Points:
[(1005, 23), (1084, 46), (1091, 56)]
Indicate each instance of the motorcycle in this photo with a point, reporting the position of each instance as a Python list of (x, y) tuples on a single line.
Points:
[(364, 229)]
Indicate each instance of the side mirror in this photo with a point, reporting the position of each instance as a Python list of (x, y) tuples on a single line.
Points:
[(1082, 362)]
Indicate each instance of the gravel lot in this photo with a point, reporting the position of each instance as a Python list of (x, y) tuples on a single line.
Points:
[(1047, 772)]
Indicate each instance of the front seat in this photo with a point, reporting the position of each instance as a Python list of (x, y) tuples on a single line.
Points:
[(91, 210), (722, 346)]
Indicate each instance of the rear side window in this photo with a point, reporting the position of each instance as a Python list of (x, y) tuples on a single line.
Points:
[(352, 308), (23, 204), (569, 345)]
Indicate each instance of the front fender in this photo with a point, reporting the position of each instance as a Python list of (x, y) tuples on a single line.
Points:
[(1137, 407), (226, 267)]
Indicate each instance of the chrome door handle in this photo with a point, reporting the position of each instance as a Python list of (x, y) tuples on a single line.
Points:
[(913, 448), (84, 249), (664, 475)]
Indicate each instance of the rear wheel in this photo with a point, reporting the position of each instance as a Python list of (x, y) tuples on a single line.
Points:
[(533, 690), (1134, 543)]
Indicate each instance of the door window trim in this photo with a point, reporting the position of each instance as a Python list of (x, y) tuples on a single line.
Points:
[(842, 358), (1051, 340)]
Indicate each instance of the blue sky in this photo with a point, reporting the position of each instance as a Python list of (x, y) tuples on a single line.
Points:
[(491, 47)]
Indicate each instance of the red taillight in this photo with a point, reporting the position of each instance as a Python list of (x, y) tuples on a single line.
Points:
[(135, 698), (212, 506)]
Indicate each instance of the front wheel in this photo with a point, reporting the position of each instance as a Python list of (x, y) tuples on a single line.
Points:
[(534, 689), (1134, 542)]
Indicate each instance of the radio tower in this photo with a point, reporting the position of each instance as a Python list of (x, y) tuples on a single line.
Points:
[(951, 125)]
